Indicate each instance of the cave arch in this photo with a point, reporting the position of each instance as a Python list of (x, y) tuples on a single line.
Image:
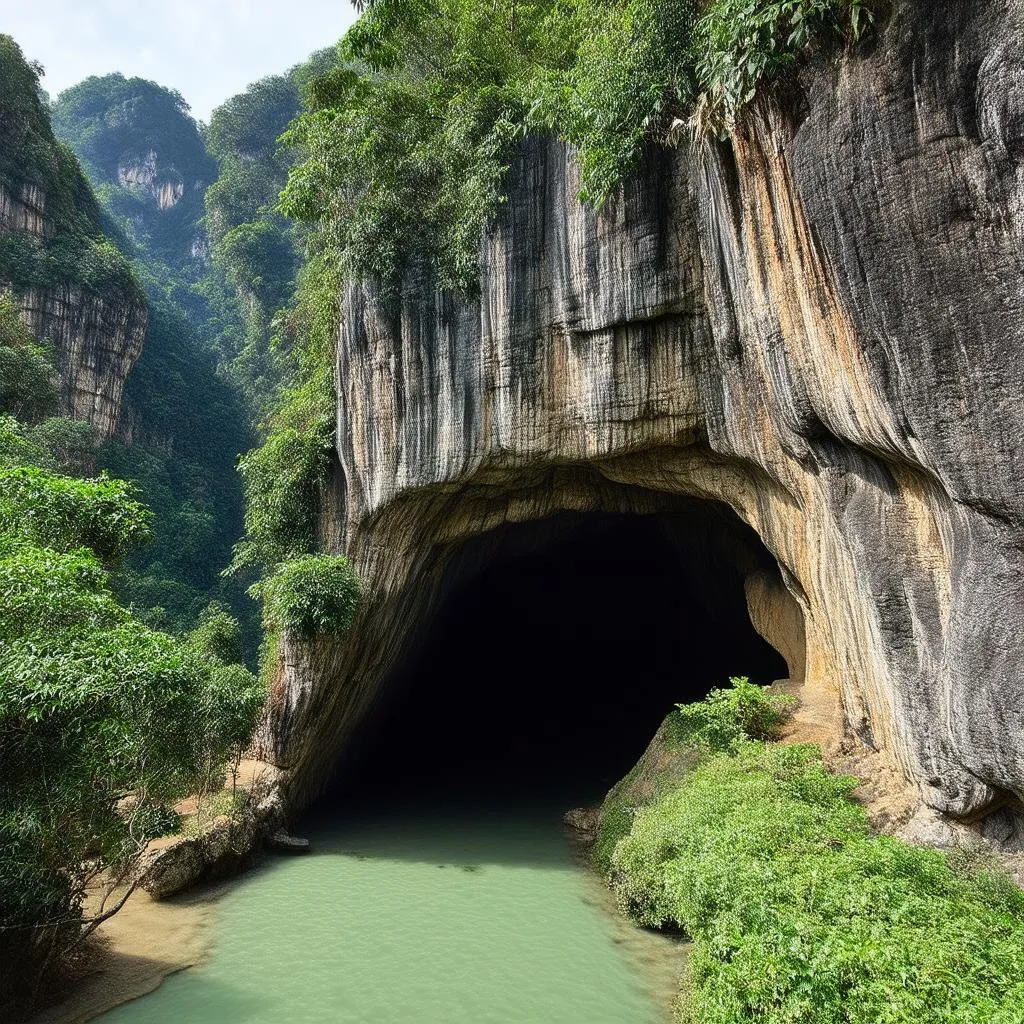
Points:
[(549, 650)]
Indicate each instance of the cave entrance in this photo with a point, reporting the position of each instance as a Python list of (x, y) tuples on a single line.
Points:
[(553, 649)]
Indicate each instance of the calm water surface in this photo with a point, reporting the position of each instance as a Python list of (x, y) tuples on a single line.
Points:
[(447, 918)]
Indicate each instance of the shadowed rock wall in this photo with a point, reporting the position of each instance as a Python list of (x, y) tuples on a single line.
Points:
[(818, 323)]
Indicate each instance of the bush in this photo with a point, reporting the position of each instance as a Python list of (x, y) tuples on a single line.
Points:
[(729, 716), (70, 445), (45, 590), (800, 915), (282, 479), (63, 513), (218, 637), (17, 445), (284, 475), (28, 380), (311, 595), (104, 722), (738, 44), (630, 76)]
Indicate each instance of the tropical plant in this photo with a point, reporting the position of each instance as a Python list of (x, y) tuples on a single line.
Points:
[(798, 912), (730, 715), (311, 595)]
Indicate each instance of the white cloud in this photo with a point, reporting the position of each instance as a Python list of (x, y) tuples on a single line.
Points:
[(206, 49)]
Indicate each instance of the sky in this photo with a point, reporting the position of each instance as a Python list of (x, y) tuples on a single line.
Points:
[(206, 49)]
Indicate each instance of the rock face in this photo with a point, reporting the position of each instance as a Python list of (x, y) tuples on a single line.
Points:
[(97, 336), (24, 211), (144, 175), (97, 339), (220, 847), (817, 324)]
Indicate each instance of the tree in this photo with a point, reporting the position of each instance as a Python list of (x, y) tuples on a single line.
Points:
[(28, 389), (105, 723)]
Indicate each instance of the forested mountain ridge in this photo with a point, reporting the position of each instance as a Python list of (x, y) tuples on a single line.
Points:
[(144, 155), (183, 426), (199, 205)]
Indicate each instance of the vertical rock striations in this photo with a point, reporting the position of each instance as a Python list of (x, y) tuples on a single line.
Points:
[(817, 324), (75, 289), (96, 333), (97, 339)]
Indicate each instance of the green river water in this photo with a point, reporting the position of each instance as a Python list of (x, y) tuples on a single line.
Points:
[(447, 918)]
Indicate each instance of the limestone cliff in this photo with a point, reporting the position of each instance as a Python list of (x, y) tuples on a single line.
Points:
[(96, 333), (75, 289), (817, 323)]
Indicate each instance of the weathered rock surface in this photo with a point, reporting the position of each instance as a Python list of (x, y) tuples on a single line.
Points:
[(818, 324), (145, 175), (96, 336), (24, 211), (223, 846), (172, 866), (97, 339)]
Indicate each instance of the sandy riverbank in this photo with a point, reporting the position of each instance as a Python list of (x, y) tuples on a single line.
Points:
[(131, 954)]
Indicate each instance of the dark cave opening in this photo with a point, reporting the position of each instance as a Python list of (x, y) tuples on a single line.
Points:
[(553, 651)]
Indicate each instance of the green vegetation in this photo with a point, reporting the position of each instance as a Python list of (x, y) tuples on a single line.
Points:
[(667, 760), (255, 250), (284, 475), (728, 717), (104, 722), (183, 424), (407, 142), (28, 387), (226, 329), (114, 124), (40, 507), (187, 426), (74, 249), (311, 595), (722, 722), (302, 592), (247, 305), (797, 911)]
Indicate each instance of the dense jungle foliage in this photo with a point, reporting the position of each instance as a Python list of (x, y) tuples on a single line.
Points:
[(183, 424), (798, 912), (256, 251), (408, 140), (105, 723)]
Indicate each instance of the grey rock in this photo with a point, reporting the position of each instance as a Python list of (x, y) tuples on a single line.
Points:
[(223, 848), (97, 336), (818, 324), (282, 842)]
